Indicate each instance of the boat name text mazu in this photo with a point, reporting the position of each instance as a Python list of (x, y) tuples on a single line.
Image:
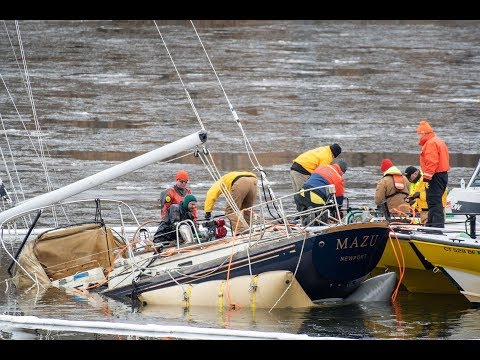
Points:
[(366, 241)]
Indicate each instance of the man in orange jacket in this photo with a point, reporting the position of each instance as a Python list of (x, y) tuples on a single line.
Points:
[(435, 164), (176, 193)]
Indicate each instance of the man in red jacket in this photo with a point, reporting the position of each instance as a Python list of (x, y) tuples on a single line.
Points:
[(435, 164), (176, 193)]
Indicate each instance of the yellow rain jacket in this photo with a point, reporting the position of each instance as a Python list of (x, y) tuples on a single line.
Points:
[(215, 190), (421, 202), (311, 159)]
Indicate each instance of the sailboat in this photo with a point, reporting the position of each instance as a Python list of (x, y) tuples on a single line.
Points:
[(102, 246)]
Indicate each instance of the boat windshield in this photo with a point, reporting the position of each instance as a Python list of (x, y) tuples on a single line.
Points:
[(475, 180)]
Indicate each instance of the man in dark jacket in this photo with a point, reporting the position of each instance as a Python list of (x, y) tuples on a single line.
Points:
[(167, 230)]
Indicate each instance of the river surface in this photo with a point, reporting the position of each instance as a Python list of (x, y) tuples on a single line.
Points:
[(106, 91)]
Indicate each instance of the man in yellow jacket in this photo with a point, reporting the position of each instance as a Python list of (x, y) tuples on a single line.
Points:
[(304, 164), (241, 187), (418, 195)]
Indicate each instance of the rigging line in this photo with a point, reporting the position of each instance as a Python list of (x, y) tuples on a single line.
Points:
[(207, 156), (28, 90), (210, 165), (295, 272), (180, 78), (15, 106), (22, 193), (225, 192), (13, 49), (34, 112), (234, 113), (9, 178), (12, 203), (237, 119), (42, 147), (179, 157), (21, 120), (212, 169), (214, 173), (20, 116)]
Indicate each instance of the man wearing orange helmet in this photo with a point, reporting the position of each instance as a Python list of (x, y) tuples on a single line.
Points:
[(176, 193), (435, 164)]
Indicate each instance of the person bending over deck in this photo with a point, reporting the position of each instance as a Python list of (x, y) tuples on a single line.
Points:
[(323, 175), (304, 164), (243, 187)]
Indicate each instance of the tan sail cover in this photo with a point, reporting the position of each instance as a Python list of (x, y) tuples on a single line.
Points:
[(64, 252)]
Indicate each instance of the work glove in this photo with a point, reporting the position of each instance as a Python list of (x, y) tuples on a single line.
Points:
[(427, 182), (208, 215), (411, 199)]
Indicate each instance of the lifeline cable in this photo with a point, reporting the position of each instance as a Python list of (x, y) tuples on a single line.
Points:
[(248, 146)]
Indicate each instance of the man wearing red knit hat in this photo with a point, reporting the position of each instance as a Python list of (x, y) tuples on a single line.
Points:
[(176, 193), (393, 187), (385, 165), (435, 164)]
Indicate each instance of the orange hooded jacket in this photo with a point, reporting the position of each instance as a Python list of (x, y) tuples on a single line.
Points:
[(434, 157)]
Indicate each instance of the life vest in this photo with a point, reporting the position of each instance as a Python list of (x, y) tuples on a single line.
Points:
[(173, 196), (399, 185)]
